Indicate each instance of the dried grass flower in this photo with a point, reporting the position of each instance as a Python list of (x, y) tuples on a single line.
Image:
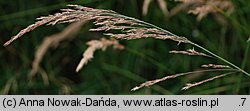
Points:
[(127, 28), (95, 45), (202, 8)]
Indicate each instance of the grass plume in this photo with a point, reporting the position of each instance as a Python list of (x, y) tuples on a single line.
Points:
[(127, 28), (201, 8)]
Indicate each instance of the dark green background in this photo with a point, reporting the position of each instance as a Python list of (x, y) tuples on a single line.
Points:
[(116, 72)]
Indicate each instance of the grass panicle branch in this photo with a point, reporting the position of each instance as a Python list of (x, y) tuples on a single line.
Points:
[(189, 52), (152, 82), (95, 45), (214, 66), (190, 85)]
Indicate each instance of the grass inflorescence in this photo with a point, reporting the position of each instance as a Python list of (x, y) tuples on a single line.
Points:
[(130, 28)]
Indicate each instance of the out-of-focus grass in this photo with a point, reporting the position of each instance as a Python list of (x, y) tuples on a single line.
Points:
[(116, 72)]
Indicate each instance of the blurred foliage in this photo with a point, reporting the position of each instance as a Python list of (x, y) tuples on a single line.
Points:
[(116, 72)]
